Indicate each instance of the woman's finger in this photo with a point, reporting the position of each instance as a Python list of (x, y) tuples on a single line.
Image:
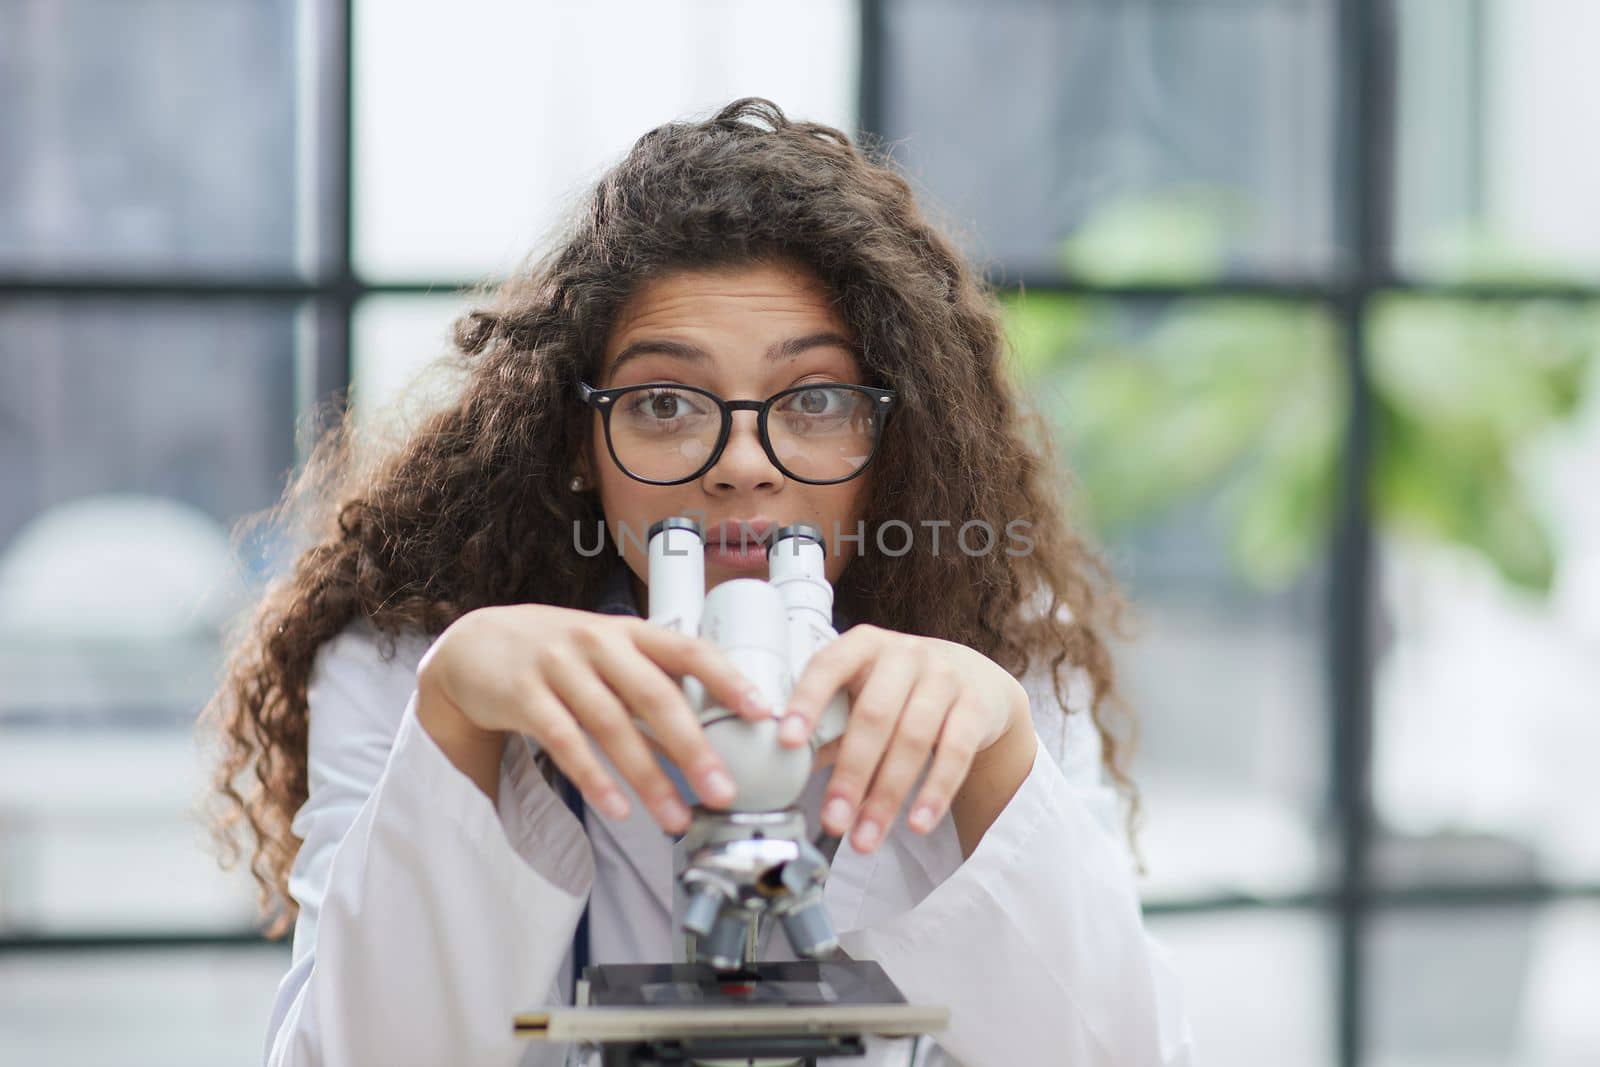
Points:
[(604, 718), (953, 755), (828, 670), (655, 698), (874, 714), (932, 697), (697, 657), (559, 734)]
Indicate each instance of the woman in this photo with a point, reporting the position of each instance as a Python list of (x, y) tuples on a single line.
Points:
[(449, 648)]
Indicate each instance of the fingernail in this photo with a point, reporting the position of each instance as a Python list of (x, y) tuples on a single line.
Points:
[(922, 818), (837, 813), (756, 702), (613, 804), (718, 786), (793, 730), (866, 834), (672, 812)]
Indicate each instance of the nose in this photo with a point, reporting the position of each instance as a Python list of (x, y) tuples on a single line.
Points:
[(744, 463)]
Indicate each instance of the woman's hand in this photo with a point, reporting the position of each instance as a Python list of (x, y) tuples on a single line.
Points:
[(565, 676), (909, 696)]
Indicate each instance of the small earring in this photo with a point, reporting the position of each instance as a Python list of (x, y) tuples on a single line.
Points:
[(576, 483)]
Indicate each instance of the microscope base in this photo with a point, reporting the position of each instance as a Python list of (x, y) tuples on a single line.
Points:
[(787, 1051)]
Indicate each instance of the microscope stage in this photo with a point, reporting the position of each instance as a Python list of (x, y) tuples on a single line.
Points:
[(652, 1001)]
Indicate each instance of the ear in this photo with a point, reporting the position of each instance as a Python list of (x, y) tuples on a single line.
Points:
[(582, 467)]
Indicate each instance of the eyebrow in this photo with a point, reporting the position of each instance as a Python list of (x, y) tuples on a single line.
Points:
[(692, 353)]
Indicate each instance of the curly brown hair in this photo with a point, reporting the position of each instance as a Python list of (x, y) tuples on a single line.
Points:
[(471, 509)]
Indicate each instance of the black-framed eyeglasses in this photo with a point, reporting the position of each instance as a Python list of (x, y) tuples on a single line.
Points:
[(666, 434)]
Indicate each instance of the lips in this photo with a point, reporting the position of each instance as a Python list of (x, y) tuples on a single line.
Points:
[(740, 533)]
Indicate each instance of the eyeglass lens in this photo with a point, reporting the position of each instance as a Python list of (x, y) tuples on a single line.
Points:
[(820, 433)]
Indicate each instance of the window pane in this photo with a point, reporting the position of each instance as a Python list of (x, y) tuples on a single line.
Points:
[(1490, 575), (1498, 147), (461, 172), (394, 340), (88, 391), (157, 1008), (1257, 985), (116, 578), (158, 136), (1486, 987), (1203, 436), (1122, 142)]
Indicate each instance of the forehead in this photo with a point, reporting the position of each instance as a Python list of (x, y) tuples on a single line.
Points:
[(754, 298)]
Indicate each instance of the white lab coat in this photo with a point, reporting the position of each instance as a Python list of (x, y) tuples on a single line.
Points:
[(428, 918)]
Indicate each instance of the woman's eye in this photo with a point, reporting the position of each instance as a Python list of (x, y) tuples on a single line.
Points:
[(664, 405), (818, 401), (658, 403)]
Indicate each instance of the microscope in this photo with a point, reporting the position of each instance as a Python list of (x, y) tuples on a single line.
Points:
[(738, 870)]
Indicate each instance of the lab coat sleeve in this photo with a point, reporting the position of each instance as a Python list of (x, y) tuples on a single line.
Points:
[(428, 917), (1035, 942)]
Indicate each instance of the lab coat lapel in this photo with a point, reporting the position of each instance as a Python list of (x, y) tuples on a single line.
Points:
[(639, 839)]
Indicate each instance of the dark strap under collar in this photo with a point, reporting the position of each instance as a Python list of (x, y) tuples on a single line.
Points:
[(580, 937)]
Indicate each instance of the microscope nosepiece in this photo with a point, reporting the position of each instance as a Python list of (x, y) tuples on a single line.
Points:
[(809, 931), (725, 947), (700, 915)]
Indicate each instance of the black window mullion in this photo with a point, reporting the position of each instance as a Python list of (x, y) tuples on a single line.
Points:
[(1365, 106), (330, 380), (870, 75)]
